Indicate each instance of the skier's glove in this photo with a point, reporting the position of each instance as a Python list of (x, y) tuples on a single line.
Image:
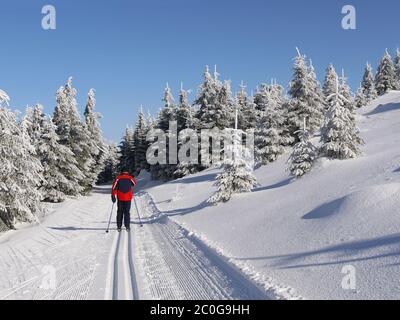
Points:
[(113, 199)]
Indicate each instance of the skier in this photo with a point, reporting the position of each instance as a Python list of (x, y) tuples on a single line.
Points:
[(122, 190)]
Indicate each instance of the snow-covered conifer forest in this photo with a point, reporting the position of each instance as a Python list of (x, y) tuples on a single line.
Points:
[(274, 113), (63, 155), (46, 158)]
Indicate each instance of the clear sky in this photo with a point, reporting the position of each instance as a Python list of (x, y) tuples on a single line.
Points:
[(128, 50)]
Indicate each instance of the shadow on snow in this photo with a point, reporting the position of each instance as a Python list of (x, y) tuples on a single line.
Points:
[(350, 249), (384, 108)]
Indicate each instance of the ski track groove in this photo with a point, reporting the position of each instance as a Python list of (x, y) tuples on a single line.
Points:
[(123, 285), (135, 293), (177, 268), (185, 265), (116, 271)]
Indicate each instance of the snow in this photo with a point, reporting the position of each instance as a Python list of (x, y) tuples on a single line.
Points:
[(171, 264), (67, 240), (288, 239), (295, 237), (157, 261)]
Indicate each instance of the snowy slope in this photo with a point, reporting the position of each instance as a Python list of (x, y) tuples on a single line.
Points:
[(294, 237), (70, 256)]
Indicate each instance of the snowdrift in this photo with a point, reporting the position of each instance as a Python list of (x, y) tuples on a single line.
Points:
[(295, 236)]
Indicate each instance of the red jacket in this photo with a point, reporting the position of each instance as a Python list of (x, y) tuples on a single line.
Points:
[(122, 187)]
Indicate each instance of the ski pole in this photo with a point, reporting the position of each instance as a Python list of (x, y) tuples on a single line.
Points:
[(109, 220), (137, 210)]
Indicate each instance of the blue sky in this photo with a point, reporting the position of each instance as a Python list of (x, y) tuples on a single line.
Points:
[(128, 50)]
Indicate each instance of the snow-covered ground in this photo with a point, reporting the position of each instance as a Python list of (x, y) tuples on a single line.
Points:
[(70, 256), (59, 258), (287, 239)]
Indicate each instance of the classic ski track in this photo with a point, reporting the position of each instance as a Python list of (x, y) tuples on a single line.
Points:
[(121, 280), (174, 266), (190, 271)]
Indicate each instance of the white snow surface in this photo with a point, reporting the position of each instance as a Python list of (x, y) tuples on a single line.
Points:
[(288, 239), (70, 256)]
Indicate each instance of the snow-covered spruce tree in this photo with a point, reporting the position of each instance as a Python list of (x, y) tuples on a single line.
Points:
[(214, 102), (303, 155), (386, 79), (58, 162), (316, 93), (360, 99), (127, 152), (368, 85), (110, 170), (397, 66), (280, 101), (340, 135), (261, 98), (247, 109), (97, 150), (271, 135), (267, 139), (237, 175), (271, 103), (306, 101), (206, 97), (184, 112), (167, 114), (150, 125), (7, 122), (330, 81), (224, 108), (74, 135), (185, 119), (139, 142), (4, 98), (34, 120), (350, 104), (223, 111), (345, 91), (150, 122), (20, 170)]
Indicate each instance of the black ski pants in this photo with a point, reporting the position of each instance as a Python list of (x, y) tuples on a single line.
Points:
[(123, 213)]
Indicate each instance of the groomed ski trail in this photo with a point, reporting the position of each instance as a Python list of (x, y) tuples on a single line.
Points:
[(173, 265), (121, 281), (157, 261)]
